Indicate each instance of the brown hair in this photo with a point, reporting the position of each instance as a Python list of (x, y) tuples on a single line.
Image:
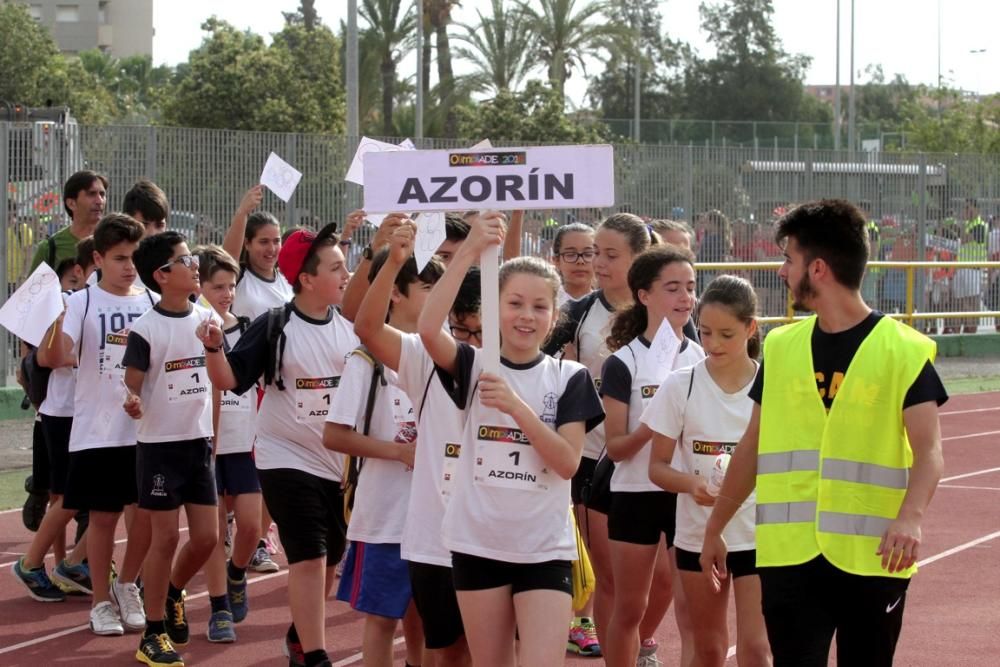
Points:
[(638, 235), (737, 296), (533, 266), (212, 258)]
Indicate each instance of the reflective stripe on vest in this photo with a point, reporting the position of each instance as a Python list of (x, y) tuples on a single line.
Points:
[(786, 513), (806, 459), (871, 474), (853, 524)]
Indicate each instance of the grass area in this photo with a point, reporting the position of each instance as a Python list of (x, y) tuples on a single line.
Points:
[(972, 385), (12, 488)]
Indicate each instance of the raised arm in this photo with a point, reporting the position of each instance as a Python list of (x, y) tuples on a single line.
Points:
[(354, 293), (233, 240), (512, 241), (219, 371)]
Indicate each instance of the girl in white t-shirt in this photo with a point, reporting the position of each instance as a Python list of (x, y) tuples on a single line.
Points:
[(641, 518), (508, 523), (573, 255), (702, 412)]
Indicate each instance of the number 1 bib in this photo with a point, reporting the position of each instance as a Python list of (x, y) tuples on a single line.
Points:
[(506, 459), (312, 398), (187, 380)]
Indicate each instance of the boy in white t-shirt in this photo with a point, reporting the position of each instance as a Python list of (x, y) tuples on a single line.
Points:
[(100, 474), (300, 479), (375, 579), (170, 395), (235, 474)]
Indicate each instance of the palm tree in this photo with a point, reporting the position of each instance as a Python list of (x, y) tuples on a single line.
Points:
[(439, 16), (499, 46), (392, 35), (565, 35)]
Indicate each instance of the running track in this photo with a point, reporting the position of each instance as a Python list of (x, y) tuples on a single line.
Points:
[(951, 616)]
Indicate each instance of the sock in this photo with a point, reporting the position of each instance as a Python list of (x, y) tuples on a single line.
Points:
[(317, 658), (173, 593), (292, 635), (585, 619), (235, 573), (154, 628), (29, 569), (219, 603)]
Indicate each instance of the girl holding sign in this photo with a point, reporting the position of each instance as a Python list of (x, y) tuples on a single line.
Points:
[(698, 416), (508, 524), (641, 520)]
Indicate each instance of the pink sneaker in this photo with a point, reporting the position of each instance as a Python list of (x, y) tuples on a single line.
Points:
[(583, 638)]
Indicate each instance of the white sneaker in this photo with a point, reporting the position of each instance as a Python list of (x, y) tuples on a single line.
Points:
[(261, 561), (126, 599), (104, 620)]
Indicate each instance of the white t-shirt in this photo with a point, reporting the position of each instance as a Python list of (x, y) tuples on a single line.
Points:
[(98, 417), (290, 422), (383, 486), (59, 392), (440, 426), (508, 505), (237, 412), (710, 423), (631, 370), (176, 392), (255, 295)]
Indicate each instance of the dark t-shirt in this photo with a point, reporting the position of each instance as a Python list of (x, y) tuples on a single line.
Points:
[(832, 354)]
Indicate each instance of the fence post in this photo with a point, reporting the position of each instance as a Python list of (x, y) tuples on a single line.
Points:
[(922, 230), (4, 222), (689, 183), (290, 217), (151, 152), (909, 295)]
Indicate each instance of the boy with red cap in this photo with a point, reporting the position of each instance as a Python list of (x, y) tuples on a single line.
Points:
[(299, 478)]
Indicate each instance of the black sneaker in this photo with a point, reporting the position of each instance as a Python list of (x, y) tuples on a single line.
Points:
[(157, 651), (176, 621)]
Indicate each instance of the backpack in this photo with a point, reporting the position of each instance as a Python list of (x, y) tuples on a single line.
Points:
[(352, 469), (277, 318), (36, 377)]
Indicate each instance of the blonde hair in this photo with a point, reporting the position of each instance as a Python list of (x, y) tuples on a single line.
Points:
[(532, 266)]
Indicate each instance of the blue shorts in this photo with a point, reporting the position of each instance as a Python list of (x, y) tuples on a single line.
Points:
[(236, 474), (376, 580)]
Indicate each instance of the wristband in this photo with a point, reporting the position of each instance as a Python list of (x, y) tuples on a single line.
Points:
[(213, 349)]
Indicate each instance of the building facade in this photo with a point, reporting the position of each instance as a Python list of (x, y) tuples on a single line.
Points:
[(121, 28)]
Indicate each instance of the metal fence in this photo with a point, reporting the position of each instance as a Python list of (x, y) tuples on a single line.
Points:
[(730, 195)]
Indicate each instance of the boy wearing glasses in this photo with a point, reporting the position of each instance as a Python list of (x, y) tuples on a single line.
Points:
[(165, 370)]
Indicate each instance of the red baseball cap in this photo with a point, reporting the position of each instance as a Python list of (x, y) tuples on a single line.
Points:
[(297, 248)]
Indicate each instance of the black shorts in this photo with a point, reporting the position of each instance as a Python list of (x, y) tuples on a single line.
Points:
[(638, 517), (171, 474), (738, 563), (472, 573), (56, 431), (309, 513), (434, 595), (236, 474), (101, 479), (40, 469), (581, 479)]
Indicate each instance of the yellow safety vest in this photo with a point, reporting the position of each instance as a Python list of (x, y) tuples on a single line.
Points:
[(972, 251), (832, 483)]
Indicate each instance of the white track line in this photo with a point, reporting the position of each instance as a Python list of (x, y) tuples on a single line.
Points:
[(959, 548), (959, 486), (121, 541), (11, 511), (79, 628), (968, 474), (351, 659), (965, 412), (970, 435)]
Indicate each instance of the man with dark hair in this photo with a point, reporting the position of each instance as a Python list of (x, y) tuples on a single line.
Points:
[(842, 482), (84, 197), (148, 204)]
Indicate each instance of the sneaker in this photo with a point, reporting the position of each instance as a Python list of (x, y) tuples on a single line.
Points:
[(293, 651), (220, 627), (76, 577), (125, 596), (236, 591), (39, 586), (104, 620), (176, 621), (261, 561), (583, 638), (647, 654), (157, 651)]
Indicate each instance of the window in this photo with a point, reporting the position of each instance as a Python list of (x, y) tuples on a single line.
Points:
[(67, 13), (35, 11), (102, 13)]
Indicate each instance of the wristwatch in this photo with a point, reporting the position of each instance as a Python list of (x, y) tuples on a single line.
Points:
[(367, 253)]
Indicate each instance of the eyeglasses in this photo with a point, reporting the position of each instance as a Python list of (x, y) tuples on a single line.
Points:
[(187, 260), (573, 257), (464, 334)]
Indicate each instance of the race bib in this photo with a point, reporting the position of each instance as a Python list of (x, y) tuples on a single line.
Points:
[(111, 356), (230, 402), (187, 380), (505, 458), (451, 453), (312, 398)]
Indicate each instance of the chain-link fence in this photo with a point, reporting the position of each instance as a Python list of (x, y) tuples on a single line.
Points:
[(922, 206)]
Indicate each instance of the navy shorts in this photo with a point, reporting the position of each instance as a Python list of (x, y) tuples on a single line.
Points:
[(171, 474), (56, 431), (309, 513), (473, 573), (433, 589), (101, 480), (375, 580), (236, 474)]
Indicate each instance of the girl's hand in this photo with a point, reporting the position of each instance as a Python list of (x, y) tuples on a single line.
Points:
[(354, 220), (401, 242), (133, 406), (495, 393), (486, 230), (386, 230), (251, 199), (209, 333), (699, 491), (406, 452)]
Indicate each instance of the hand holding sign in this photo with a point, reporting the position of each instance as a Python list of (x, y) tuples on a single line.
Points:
[(280, 177), (35, 305), (401, 243)]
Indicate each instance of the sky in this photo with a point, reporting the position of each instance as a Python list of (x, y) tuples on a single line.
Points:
[(901, 35)]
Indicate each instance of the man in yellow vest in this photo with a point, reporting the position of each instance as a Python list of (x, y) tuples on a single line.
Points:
[(968, 283), (844, 450)]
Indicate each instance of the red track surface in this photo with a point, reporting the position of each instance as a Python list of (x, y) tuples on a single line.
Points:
[(952, 615)]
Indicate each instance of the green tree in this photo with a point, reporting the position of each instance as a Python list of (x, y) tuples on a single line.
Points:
[(961, 126), (534, 115), (304, 16), (498, 45), (882, 101), (439, 15), (392, 36), (567, 32)]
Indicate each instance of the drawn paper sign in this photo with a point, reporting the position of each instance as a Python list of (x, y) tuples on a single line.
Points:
[(494, 178), (430, 235), (34, 306), (280, 177)]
